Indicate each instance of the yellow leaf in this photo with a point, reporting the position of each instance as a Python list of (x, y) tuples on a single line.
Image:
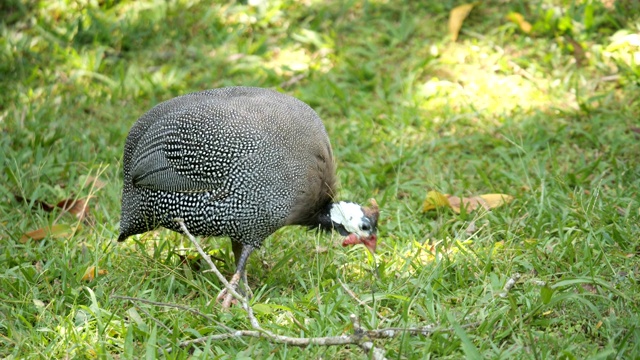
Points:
[(518, 19), (456, 18), (434, 199), (488, 201), (494, 200), (58, 230), (91, 273)]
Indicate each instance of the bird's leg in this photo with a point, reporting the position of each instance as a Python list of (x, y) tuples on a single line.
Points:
[(242, 255), (237, 248)]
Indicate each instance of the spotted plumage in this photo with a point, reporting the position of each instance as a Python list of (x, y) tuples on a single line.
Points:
[(238, 162)]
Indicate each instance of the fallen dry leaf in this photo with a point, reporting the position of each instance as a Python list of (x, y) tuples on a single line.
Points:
[(590, 288), (91, 273), (472, 228), (598, 325), (487, 201), (77, 207), (456, 18), (58, 230), (434, 200), (97, 183), (519, 20), (579, 53)]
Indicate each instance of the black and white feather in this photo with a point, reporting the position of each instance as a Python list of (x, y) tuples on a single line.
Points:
[(238, 162)]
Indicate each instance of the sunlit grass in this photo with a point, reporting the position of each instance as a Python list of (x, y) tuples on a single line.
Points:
[(408, 111)]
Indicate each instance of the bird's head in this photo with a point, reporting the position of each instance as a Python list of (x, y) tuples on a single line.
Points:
[(359, 224)]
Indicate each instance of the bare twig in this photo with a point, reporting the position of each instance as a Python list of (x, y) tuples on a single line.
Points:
[(160, 323), (212, 266), (243, 301), (175, 306), (360, 337), (157, 303), (376, 353), (292, 81), (354, 339), (355, 297), (510, 284), (367, 346)]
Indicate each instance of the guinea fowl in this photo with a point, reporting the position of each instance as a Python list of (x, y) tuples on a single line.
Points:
[(239, 162)]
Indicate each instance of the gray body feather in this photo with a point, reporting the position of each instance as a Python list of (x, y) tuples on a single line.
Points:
[(239, 162)]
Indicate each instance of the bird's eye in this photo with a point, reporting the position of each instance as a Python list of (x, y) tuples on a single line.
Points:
[(365, 227)]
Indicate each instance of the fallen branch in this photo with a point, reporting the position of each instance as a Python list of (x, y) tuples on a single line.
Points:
[(509, 285), (356, 339), (360, 336)]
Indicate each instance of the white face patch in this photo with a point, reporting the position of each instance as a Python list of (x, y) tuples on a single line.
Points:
[(350, 216)]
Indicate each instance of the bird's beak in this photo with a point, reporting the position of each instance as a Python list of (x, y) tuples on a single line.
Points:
[(370, 242)]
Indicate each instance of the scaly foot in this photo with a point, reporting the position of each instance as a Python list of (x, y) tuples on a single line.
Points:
[(227, 298)]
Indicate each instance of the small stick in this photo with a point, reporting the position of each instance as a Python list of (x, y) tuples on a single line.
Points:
[(361, 337), (213, 267), (175, 306), (510, 284), (354, 297), (156, 320)]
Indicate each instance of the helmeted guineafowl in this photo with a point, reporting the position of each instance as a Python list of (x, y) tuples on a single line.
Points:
[(238, 162)]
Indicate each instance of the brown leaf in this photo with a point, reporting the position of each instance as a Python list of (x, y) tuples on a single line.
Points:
[(58, 230), (77, 207), (91, 273), (456, 18), (469, 204), (518, 19), (97, 183), (578, 51), (590, 288)]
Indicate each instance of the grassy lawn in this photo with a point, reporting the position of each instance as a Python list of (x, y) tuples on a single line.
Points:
[(550, 116)]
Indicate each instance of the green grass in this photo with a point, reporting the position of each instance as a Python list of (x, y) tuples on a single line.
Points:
[(499, 111)]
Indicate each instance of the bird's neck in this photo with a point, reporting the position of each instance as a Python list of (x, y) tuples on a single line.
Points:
[(324, 218)]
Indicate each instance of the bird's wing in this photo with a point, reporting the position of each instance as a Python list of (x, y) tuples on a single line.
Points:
[(191, 151)]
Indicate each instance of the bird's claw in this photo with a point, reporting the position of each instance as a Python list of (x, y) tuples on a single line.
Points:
[(227, 299)]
